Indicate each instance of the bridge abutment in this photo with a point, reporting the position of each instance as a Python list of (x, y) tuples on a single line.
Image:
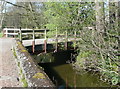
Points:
[(31, 74)]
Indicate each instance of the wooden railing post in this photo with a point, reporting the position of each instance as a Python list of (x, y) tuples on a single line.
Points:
[(6, 32), (56, 44), (33, 42), (20, 31), (66, 40), (14, 33), (45, 42)]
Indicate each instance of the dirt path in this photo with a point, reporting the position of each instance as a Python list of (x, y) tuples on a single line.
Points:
[(8, 67)]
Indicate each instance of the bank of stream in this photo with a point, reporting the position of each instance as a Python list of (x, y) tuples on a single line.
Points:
[(58, 67)]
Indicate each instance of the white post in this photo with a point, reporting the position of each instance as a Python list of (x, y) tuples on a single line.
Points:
[(14, 33), (45, 34), (6, 32), (45, 42), (33, 42), (20, 31)]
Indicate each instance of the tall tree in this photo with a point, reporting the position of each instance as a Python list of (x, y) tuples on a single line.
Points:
[(68, 15), (100, 15), (2, 11)]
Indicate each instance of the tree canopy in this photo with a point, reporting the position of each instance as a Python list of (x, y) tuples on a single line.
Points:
[(99, 48)]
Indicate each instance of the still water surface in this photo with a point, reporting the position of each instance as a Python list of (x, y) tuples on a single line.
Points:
[(63, 74)]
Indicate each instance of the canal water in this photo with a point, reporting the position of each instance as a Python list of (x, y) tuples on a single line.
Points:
[(60, 70)]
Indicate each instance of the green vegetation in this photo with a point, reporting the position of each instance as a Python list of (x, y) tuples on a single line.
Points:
[(39, 76), (23, 80), (98, 49), (18, 64), (44, 58), (1, 34), (22, 77), (14, 53)]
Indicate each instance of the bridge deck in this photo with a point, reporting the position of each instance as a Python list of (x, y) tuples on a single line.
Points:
[(49, 41), (9, 76)]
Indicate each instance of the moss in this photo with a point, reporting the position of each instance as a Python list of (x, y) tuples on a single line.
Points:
[(1, 34), (18, 42), (23, 80), (14, 53), (43, 58), (20, 71), (23, 50), (39, 76), (20, 45), (19, 74), (18, 64)]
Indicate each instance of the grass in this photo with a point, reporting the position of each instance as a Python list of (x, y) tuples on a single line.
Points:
[(22, 78), (1, 34), (39, 76), (14, 53)]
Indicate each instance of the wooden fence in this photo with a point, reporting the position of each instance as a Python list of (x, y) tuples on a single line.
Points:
[(15, 31), (21, 32)]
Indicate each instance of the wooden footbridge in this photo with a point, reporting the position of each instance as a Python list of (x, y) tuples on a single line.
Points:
[(39, 36)]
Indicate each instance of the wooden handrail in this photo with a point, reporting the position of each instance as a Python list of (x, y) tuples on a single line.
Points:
[(15, 32), (23, 29), (23, 33)]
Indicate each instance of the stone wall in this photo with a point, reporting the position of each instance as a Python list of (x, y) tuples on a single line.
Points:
[(30, 73)]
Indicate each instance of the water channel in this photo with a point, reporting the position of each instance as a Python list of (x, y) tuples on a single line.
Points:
[(61, 72)]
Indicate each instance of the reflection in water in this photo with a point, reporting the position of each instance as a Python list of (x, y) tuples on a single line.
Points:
[(63, 74)]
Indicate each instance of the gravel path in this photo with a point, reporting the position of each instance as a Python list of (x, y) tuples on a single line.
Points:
[(8, 67)]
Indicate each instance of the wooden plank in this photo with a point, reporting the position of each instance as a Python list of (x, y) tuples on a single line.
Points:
[(20, 35), (45, 42), (23, 29), (23, 33), (45, 45), (49, 41), (33, 34), (45, 34), (33, 46), (6, 33), (11, 33), (33, 42)]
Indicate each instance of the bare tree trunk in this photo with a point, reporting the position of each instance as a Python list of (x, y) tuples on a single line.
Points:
[(116, 16), (32, 11), (99, 16), (2, 8), (119, 23), (117, 26)]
